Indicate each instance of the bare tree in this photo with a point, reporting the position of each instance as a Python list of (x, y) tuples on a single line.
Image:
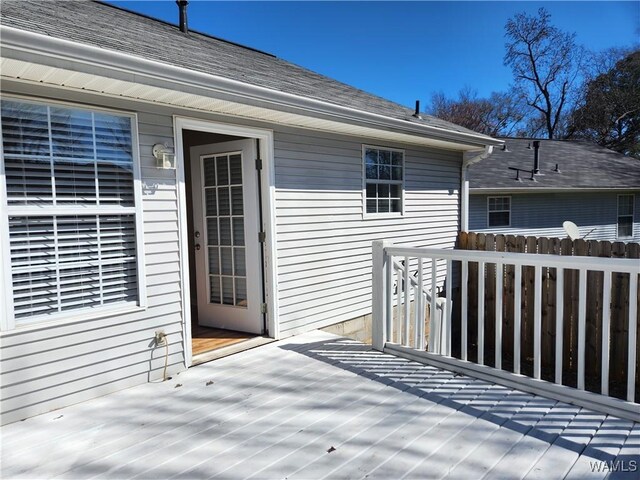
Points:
[(609, 113), (498, 115), (545, 62)]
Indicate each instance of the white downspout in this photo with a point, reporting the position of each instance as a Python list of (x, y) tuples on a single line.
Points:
[(468, 159)]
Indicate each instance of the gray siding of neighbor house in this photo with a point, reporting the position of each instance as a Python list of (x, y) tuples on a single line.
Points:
[(542, 214), (323, 257)]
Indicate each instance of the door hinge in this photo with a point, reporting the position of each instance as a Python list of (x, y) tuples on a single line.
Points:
[(262, 237), (258, 164), (263, 308)]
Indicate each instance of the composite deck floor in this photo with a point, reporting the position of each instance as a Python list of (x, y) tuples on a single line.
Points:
[(319, 406)]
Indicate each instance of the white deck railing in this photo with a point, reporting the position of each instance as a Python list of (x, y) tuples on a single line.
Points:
[(405, 285)]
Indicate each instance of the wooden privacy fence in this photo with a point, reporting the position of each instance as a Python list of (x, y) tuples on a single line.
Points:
[(559, 295)]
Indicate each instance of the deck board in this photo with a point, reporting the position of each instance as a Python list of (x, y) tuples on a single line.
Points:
[(276, 410)]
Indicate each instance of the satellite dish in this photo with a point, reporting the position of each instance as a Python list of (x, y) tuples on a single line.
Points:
[(571, 229)]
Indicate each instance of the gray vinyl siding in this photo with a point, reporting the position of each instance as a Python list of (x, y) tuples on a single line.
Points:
[(542, 214), (323, 257), (324, 244)]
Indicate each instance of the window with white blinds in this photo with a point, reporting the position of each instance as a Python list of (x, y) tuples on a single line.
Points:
[(70, 208)]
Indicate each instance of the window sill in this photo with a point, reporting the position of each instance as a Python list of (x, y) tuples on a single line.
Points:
[(382, 216), (80, 317)]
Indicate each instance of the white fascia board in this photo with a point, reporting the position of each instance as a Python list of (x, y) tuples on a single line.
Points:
[(137, 68)]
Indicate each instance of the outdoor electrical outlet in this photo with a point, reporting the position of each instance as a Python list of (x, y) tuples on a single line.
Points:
[(160, 337)]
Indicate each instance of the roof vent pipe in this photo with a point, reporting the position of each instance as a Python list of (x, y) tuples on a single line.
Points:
[(417, 112), (182, 6), (536, 157)]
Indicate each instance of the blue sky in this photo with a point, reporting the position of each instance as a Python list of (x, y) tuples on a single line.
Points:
[(402, 51)]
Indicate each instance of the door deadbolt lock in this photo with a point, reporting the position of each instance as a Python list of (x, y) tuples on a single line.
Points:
[(197, 246), (197, 234)]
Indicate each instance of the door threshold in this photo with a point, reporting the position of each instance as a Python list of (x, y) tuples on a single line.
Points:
[(230, 350)]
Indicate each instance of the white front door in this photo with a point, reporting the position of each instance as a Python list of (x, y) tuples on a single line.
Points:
[(225, 216)]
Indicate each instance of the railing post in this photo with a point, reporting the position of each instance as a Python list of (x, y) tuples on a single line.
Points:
[(381, 268)]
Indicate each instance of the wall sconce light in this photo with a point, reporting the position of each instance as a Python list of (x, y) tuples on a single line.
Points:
[(164, 155)]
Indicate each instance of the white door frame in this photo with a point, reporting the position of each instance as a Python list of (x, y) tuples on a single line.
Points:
[(265, 136)]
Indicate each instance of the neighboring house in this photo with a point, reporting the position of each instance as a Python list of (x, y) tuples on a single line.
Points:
[(596, 188), (104, 243)]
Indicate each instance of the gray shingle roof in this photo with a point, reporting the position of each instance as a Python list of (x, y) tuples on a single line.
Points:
[(109, 27), (582, 165)]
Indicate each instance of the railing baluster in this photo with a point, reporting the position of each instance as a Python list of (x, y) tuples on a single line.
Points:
[(432, 317), (633, 331), (537, 320), (463, 309), (481, 313), (517, 318), (407, 304), (582, 325), (420, 307), (398, 306), (416, 310), (449, 307), (559, 322), (389, 294), (606, 327), (498, 352)]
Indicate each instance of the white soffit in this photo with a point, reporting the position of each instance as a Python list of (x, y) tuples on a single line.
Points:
[(53, 76)]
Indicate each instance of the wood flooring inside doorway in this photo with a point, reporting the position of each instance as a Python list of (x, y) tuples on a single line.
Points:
[(205, 339)]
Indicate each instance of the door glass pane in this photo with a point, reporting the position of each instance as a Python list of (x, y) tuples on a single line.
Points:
[(241, 292), (212, 231), (211, 204), (226, 261), (214, 261), (239, 262), (236, 169), (225, 231), (209, 171), (223, 201), (227, 290), (214, 284), (222, 167), (236, 201), (238, 231)]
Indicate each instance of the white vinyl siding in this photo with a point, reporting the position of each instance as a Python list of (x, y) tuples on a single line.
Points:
[(625, 216), (70, 182), (324, 244)]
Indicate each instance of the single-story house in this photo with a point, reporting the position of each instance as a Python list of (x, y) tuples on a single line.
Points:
[(156, 180), (531, 187)]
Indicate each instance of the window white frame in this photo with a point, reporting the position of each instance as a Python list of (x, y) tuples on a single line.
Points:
[(489, 211), (7, 318), (376, 215), (631, 215)]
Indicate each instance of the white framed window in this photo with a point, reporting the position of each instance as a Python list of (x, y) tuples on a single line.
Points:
[(625, 215), (383, 172), (71, 211), (499, 211)]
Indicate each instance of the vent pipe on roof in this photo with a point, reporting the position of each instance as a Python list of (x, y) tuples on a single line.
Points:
[(182, 6), (417, 112), (536, 157)]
